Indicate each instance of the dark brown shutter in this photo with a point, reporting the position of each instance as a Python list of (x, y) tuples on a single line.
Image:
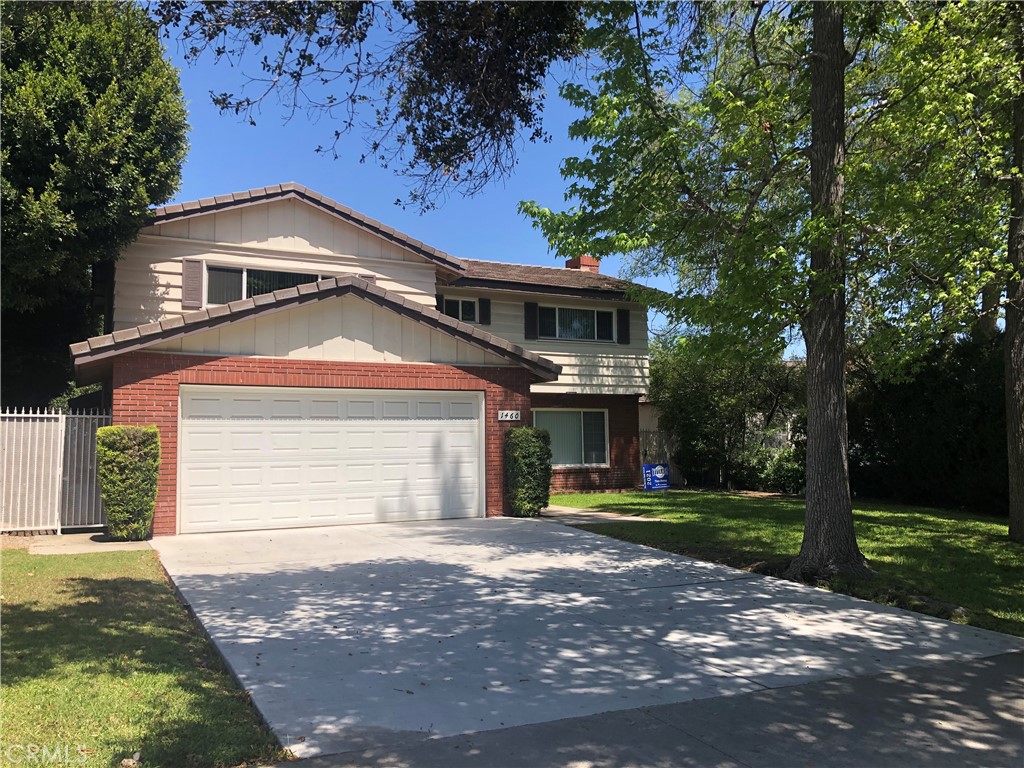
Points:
[(484, 311), (622, 320), (440, 302), (530, 320), (191, 284)]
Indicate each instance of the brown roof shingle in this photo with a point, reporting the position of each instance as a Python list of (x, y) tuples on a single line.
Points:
[(525, 277)]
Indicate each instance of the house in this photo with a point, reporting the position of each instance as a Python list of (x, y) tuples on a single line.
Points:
[(307, 365)]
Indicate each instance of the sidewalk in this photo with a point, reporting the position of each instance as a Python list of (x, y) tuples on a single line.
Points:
[(81, 544), (574, 516)]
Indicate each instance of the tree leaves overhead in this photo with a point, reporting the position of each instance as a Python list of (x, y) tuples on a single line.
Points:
[(94, 132), (444, 90)]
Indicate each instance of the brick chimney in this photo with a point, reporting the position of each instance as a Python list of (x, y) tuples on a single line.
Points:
[(584, 263)]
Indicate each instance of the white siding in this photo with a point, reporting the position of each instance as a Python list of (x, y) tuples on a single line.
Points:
[(283, 235), (587, 367), (345, 328)]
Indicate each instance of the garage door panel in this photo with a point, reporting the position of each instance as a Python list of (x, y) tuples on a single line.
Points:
[(262, 458)]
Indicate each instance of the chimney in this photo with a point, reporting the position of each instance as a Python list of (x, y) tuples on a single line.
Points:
[(584, 263)]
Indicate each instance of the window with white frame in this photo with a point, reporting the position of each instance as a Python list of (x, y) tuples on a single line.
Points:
[(461, 309), (578, 437), (227, 284), (575, 324)]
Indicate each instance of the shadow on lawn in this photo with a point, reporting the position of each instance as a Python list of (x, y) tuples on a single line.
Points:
[(123, 629)]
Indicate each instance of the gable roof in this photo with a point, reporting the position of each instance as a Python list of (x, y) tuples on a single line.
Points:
[(292, 191), (524, 277), (92, 357)]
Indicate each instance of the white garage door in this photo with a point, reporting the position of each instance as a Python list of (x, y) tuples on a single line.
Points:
[(271, 457)]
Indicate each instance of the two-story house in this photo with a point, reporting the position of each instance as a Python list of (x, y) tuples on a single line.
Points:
[(307, 365)]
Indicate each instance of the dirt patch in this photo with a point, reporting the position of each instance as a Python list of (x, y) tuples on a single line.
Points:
[(7, 541)]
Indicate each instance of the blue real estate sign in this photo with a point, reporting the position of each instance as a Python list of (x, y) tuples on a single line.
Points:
[(655, 477)]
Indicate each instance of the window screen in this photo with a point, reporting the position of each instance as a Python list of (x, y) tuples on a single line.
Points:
[(604, 327), (577, 437), (223, 285), (260, 281), (546, 325), (576, 324)]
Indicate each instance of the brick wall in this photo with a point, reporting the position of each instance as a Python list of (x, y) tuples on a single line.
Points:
[(623, 437), (146, 392)]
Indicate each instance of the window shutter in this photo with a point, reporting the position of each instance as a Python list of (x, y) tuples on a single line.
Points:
[(484, 311), (191, 284), (440, 302), (530, 320), (622, 318)]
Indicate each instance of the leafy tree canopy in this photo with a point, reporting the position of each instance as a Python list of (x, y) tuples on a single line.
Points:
[(94, 132), (444, 91), (699, 165)]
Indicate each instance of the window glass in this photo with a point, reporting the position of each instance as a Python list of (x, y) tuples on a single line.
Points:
[(469, 311), (576, 324), (260, 281), (546, 322), (594, 448), (223, 285), (566, 435), (451, 308), (604, 327)]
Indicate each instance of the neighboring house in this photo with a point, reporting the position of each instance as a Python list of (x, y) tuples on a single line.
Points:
[(307, 365)]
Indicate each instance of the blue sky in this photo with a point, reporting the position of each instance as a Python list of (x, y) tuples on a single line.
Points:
[(227, 155)]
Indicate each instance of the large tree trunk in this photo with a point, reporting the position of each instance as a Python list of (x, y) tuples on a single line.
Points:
[(1014, 340), (829, 545)]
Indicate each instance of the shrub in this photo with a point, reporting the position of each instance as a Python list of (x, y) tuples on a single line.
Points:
[(784, 472), (527, 470), (128, 461)]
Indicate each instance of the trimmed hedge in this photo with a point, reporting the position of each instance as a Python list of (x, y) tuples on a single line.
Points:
[(128, 462), (527, 470)]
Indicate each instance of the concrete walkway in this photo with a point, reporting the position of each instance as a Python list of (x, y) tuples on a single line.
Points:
[(384, 639), (574, 516), (81, 544)]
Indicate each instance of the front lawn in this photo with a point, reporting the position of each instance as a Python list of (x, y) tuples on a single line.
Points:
[(945, 563), (98, 653)]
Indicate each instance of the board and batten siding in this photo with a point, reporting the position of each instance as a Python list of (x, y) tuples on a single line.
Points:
[(285, 235), (588, 367), (343, 328)]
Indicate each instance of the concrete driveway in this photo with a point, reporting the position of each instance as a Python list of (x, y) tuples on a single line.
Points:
[(384, 636)]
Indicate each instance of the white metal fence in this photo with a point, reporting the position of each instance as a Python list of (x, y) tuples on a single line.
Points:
[(48, 470)]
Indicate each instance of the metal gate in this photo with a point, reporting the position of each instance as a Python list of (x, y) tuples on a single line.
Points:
[(48, 465)]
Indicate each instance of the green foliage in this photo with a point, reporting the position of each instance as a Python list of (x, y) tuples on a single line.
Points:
[(717, 409), (936, 433), (785, 471), (447, 101), (697, 167), (527, 470), (94, 132), (128, 463)]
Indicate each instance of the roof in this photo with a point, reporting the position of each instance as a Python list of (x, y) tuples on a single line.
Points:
[(293, 191), (525, 277), (91, 357)]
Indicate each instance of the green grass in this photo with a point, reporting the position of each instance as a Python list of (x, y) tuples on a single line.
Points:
[(98, 652), (945, 563)]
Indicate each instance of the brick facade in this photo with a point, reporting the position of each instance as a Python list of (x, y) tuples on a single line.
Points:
[(145, 391), (624, 443)]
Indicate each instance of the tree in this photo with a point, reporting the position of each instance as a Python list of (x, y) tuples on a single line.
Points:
[(1014, 342), (754, 169), (716, 409), (94, 132), (445, 91)]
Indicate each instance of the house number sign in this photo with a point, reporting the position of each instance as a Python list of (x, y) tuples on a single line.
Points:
[(508, 415)]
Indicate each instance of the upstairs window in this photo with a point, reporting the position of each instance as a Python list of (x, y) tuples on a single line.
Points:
[(461, 309), (575, 324), (226, 284)]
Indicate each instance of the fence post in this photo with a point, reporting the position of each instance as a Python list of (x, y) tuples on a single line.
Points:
[(59, 479)]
